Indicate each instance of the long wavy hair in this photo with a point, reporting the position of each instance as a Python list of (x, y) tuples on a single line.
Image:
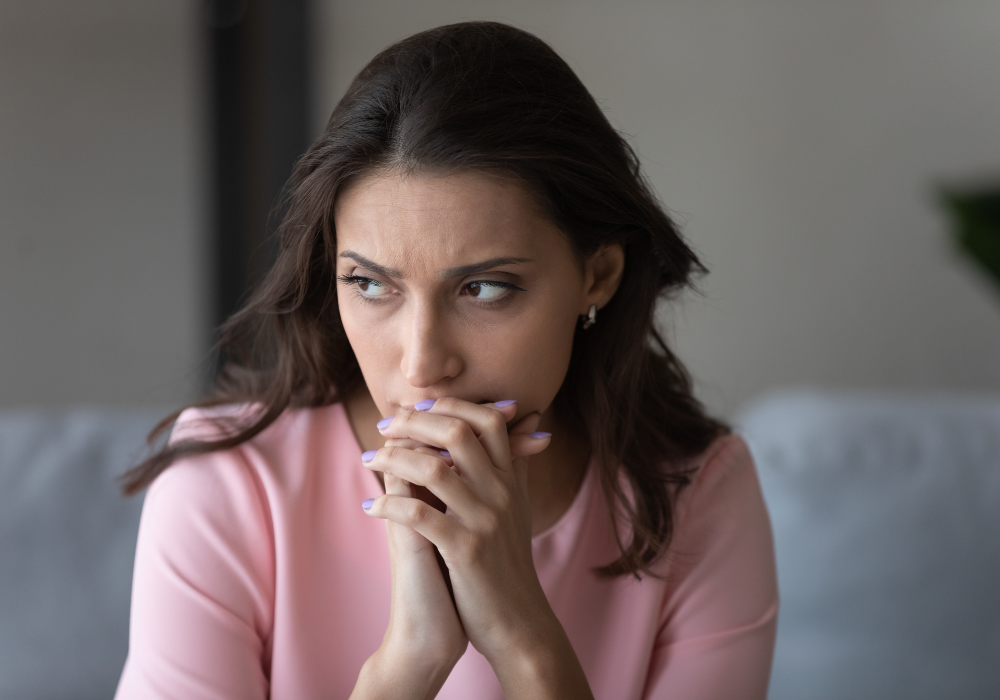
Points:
[(482, 96)]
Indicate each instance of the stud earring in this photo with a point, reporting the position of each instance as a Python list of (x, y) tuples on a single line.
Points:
[(591, 317)]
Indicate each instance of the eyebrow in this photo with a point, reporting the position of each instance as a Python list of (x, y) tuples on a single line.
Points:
[(460, 271)]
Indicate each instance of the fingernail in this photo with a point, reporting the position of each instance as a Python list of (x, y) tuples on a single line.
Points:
[(368, 456), (539, 436), (506, 402), (424, 405), (367, 503), (446, 453), (384, 423)]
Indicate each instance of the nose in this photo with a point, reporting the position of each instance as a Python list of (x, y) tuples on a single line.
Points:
[(429, 355)]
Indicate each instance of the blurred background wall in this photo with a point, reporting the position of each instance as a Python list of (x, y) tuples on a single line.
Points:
[(800, 145), (102, 209)]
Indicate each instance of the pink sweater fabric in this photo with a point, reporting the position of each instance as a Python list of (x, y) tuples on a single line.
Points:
[(257, 575)]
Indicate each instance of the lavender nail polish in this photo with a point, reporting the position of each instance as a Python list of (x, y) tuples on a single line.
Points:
[(424, 405), (368, 456), (539, 436), (506, 402), (367, 503), (446, 453), (384, 423)]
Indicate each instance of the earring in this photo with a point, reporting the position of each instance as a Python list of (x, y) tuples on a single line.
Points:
[(591, 317)]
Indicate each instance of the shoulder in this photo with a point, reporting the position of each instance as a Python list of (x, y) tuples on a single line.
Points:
[(720, 564), (220, 509), (218, 481), (727, 454), (723, 473), (234, 492), (724, 501), (205, 574), (280, 453), (207, 507)]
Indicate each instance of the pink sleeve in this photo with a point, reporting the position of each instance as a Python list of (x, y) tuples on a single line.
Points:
[(717, 632), (203, 585)]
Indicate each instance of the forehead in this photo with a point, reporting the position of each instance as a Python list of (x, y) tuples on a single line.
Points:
[(430, 220)]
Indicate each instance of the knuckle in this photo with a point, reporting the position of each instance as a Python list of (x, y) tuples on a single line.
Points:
[(437, 471), (491, 523), (388, 455), (417, 512), (503, 500), (457, 431), (495, 421), (404, 414)]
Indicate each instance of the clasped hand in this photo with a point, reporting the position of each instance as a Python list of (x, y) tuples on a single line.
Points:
[(463, 454)]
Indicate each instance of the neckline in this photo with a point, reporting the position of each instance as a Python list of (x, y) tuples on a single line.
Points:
[(577, 504), (357, 445)]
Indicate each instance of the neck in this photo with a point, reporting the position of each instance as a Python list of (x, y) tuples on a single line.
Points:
[(554, 476)]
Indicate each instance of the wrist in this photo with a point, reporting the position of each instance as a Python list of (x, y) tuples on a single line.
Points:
[(400, 674), (541, 664), (525, 636)]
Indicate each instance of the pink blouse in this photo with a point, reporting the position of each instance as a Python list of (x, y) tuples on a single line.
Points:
[(257, 574)]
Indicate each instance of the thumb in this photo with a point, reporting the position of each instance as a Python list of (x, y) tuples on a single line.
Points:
[(524, 441), (528, 424)]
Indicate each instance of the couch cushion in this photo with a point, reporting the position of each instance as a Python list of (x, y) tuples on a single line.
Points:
[(67, 541), (886, 513)]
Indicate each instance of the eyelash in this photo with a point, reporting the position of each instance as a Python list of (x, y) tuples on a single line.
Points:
[(352, 281)]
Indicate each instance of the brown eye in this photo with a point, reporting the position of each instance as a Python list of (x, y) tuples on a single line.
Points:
[(486, 290), (371, 288)]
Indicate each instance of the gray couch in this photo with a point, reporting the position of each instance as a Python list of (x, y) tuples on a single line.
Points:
[(886, 513), (67, 541)]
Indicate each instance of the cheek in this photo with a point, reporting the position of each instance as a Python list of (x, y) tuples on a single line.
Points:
[(371, 350), (531, 357)]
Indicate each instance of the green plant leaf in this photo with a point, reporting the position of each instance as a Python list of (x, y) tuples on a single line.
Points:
[(977, 227)]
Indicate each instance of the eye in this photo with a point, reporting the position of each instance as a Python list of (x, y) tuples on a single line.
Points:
[(366, 286), (485, 289), (371, 288)]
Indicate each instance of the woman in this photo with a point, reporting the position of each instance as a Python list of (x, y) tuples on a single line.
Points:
[(456, 339)]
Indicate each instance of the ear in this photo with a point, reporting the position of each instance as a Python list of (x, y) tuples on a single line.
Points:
[(602, 275)]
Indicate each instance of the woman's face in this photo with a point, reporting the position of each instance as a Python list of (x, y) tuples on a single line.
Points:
[(458, 285)]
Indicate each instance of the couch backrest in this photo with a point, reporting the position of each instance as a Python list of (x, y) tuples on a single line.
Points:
[(67, 542), (886, 514)]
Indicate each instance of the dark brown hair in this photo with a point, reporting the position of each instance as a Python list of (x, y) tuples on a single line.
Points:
[(487, 97)]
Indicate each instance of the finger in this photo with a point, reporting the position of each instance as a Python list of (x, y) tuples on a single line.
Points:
[(482, 418), (413, 513), (402, 541), (416, 491), (404, 442), (426, 470), (443, 455), (420, 447), (527, 445), (452, 434), (415, 446), (396, 486), (528, 424), (441, 423)]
